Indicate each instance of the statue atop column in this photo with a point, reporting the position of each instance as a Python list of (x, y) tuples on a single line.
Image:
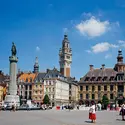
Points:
[(13, 50)]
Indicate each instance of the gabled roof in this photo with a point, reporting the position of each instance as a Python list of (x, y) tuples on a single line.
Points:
[(40, 76), (25, 77), (54, 73), (106, 72)]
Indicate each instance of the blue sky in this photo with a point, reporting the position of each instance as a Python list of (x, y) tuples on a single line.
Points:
[(96, 30)]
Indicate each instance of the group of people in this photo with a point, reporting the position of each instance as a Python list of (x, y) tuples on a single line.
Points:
[(92, 112)]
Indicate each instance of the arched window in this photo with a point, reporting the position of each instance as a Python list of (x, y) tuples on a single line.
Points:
[(30, 79)]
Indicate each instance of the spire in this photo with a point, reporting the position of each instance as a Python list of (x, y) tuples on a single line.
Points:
[(119, 57), (36, 65)]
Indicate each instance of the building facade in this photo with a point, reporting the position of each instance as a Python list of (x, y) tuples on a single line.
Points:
[(56, 87), (73, 90), (25, 83), (4, 80), (104, 81), (38, 88)]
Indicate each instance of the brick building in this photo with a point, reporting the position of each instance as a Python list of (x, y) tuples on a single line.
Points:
[(104, 81)]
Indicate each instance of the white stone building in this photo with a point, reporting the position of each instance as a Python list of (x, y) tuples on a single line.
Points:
[(56, 87)]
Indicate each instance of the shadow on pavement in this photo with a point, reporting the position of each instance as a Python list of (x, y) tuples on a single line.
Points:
[(119, 120), (88, 121)]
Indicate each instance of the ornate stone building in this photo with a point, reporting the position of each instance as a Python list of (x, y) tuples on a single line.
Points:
[(38, 88), (25, 83), (104, 81), (65, 55), (65, 60)]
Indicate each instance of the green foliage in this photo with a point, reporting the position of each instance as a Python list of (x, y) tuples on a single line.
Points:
[(46, 99), (105, 100)]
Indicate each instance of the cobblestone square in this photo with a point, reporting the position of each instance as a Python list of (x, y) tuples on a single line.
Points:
[(53, 117)]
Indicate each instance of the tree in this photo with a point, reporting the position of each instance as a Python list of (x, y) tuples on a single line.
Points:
[(46, 99), (105, 101)]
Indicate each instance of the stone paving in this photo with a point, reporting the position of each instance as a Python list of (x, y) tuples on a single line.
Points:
[(53, 117)]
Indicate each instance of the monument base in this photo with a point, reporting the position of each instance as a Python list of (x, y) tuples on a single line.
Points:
[(11, 99)]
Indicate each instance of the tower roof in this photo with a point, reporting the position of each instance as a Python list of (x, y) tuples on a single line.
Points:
[(65, 40)]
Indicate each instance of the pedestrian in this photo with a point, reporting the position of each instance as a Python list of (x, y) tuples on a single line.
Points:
[(92, 113), (123, 111)]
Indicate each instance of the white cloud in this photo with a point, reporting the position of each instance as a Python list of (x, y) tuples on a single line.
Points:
[(102, 47), (93, 27), (88, 51), (37, 48), (121, 41), (107, 56)]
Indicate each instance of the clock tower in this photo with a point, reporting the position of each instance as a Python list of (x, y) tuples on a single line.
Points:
[(65, 55)]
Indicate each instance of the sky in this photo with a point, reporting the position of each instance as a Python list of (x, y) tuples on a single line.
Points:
[(95, 28)]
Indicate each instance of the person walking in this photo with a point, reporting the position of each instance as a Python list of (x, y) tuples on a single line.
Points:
[(123, 111), (92, 113)]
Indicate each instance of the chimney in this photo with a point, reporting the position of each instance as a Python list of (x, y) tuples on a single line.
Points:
[(103, 66), (91, 67), (0, 71)]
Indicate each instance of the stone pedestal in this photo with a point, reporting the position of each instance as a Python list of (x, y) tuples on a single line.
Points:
[(10, 99)]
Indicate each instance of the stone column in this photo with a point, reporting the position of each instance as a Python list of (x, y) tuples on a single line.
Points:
[(13, 72), (12, 92), (28, 90)]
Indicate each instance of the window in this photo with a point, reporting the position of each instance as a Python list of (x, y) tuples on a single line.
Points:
[(111, 87), (87, 88), (99, 88), (26, 79), (81, 96), (68, 57), (40, 92), (30, 87), (93, 96), (36, 86), (49, 82), (40, 86), (36, 92), (49, 89), (53, 89), (111, 96), (87, 96), (30, 79), (105, 88), (99, 96), (53, 96), (81, 88), (93, 88), (26, 87)]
